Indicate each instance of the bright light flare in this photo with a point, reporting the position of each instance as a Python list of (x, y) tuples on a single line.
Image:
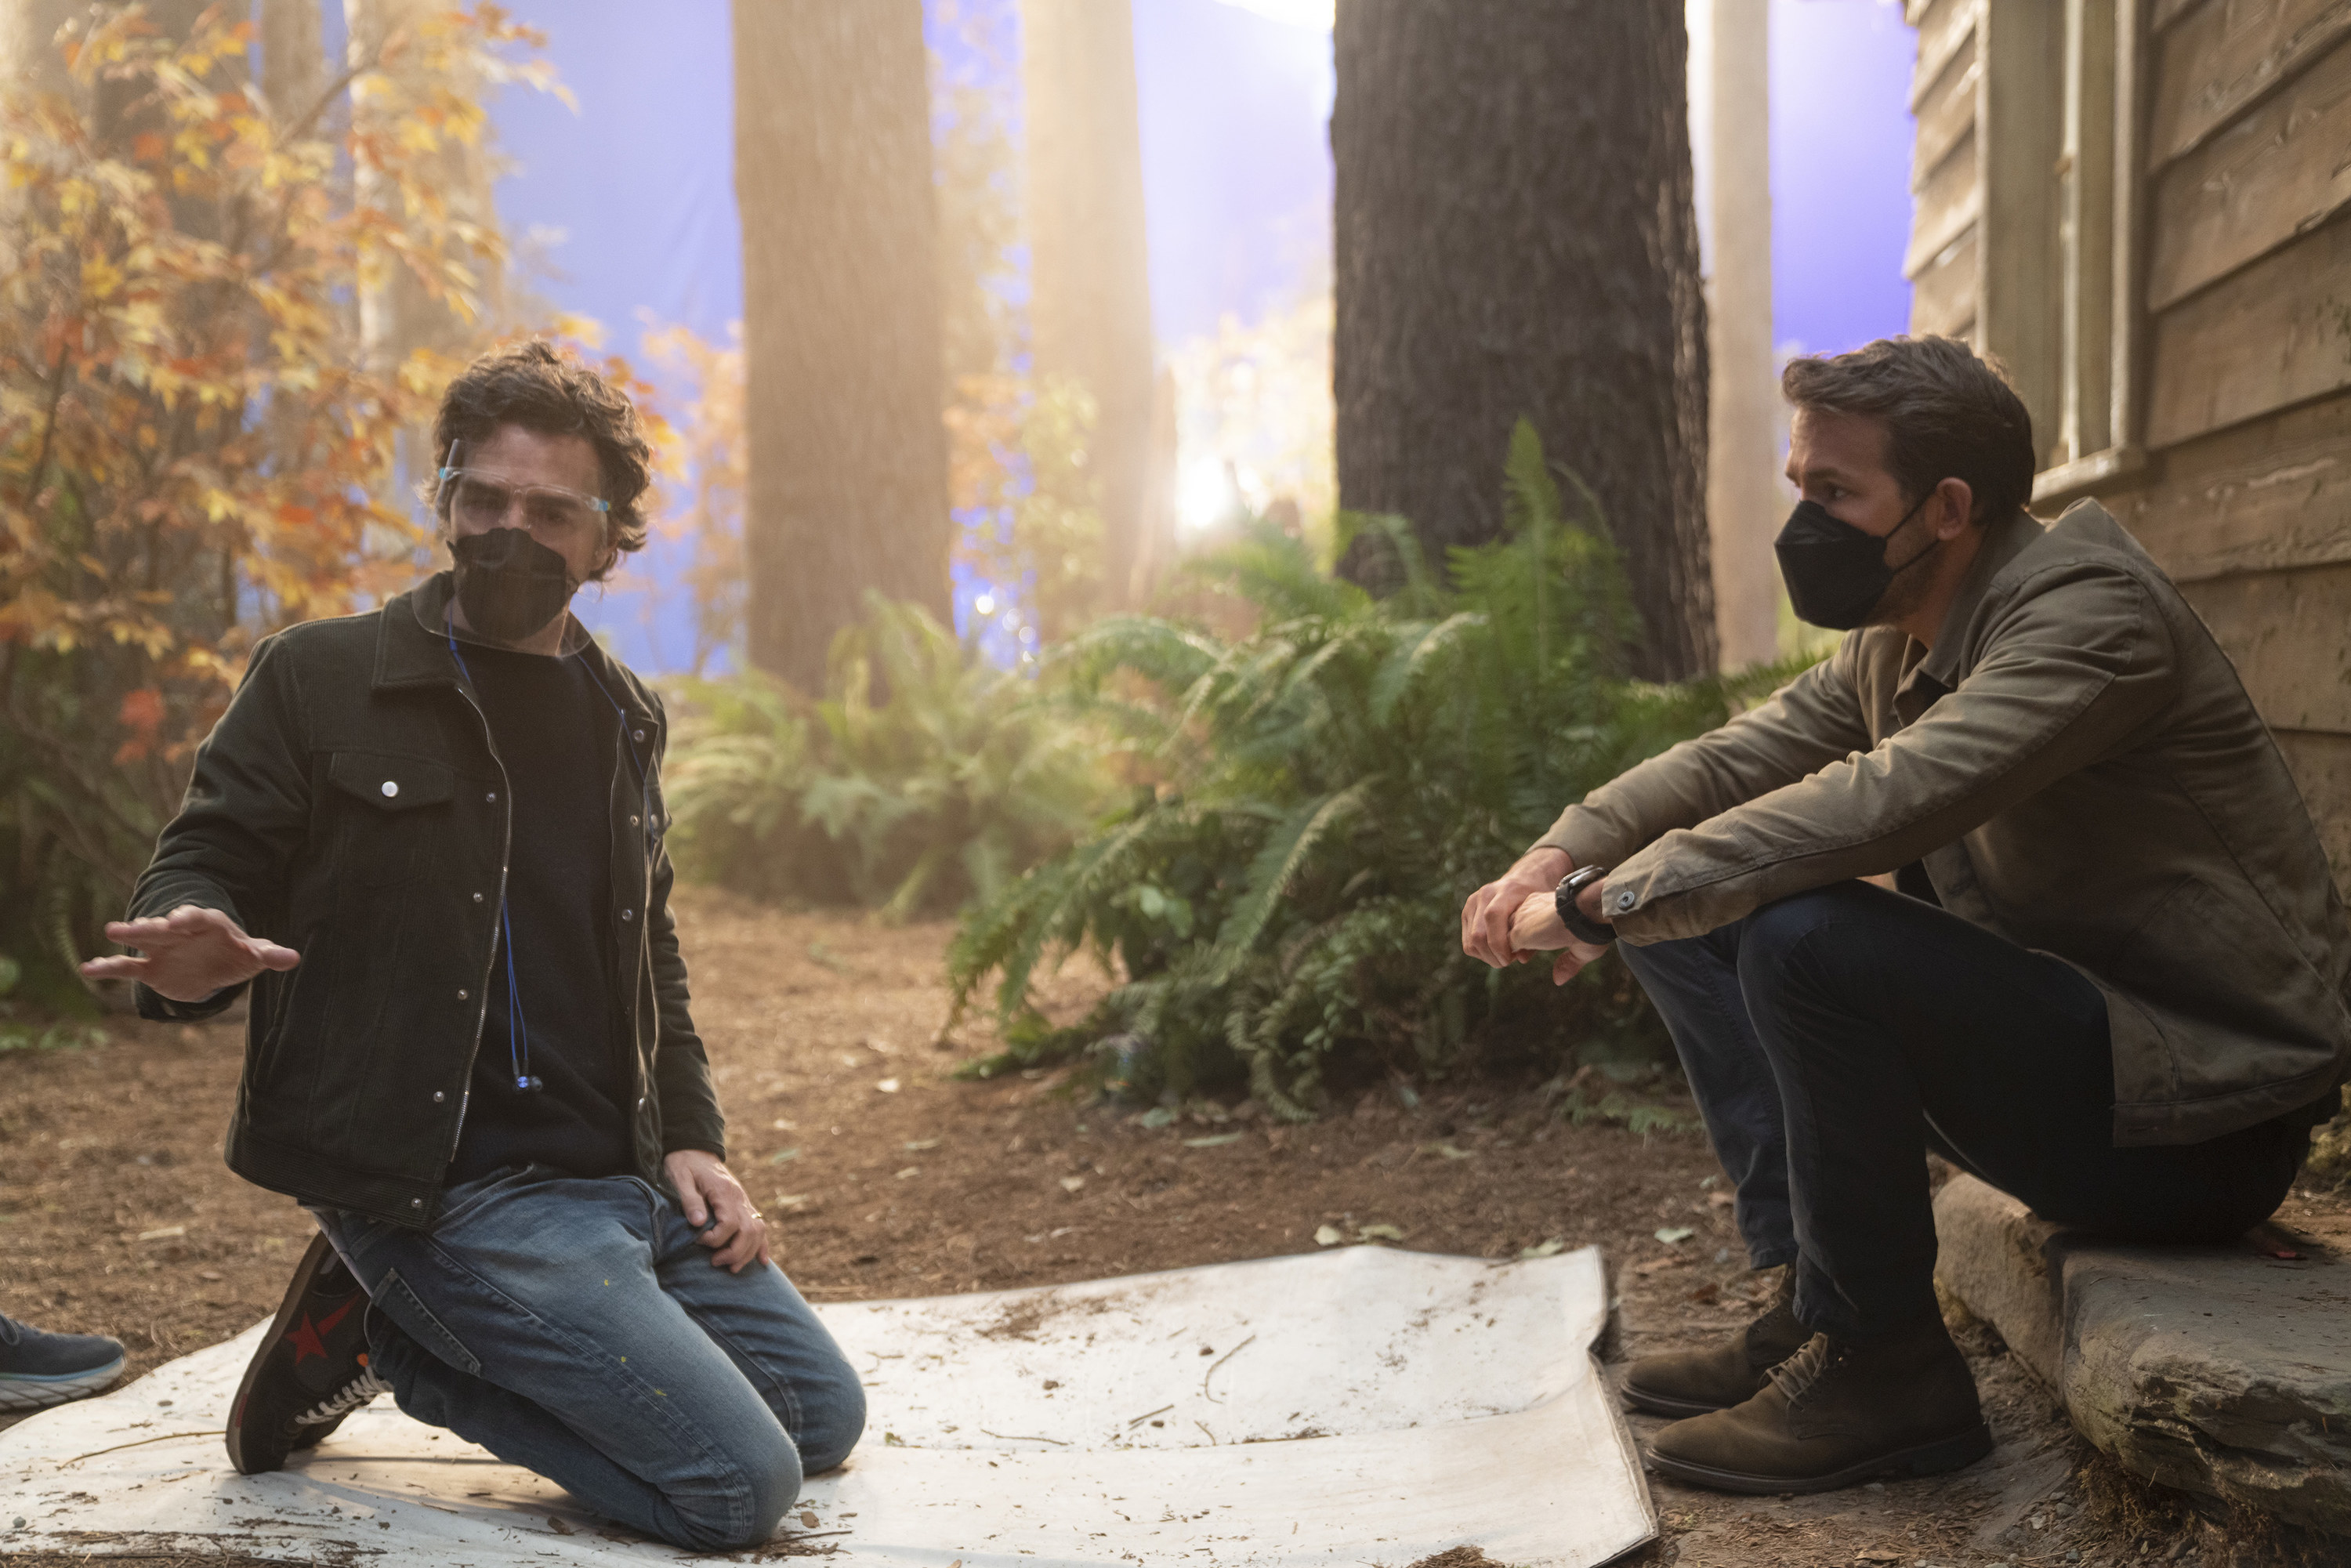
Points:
[(1204, 495)]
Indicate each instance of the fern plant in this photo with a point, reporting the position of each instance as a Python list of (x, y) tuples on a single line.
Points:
[(923, 776), (1337, 782)]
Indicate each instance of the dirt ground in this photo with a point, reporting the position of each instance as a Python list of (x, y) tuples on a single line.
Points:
[(888, 1177)]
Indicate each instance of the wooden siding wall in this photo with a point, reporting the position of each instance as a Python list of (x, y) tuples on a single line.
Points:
[(2211, 410)]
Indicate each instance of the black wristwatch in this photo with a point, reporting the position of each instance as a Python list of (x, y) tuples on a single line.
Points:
[(1583, 927)]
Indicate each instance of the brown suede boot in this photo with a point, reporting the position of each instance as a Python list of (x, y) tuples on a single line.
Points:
[(1836, 1413), (1693, 1382)]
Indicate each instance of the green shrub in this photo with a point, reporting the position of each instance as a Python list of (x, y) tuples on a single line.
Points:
[(1338, 782), (923, 778)]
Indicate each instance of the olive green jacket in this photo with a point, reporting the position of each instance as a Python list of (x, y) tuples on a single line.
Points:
[(2080, 769), (352, 805)]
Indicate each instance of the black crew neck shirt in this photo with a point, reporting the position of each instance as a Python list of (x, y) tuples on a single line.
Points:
[(554, 732)]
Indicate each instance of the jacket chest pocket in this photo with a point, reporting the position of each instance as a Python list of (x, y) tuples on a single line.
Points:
[(395, 807)]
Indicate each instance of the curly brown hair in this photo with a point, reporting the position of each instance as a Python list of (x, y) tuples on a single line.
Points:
[(532, 385), (1948, 415)]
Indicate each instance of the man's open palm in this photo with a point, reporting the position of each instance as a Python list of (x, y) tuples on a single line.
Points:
[(189, 954)]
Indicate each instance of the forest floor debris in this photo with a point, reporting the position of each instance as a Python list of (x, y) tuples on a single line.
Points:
[(117, 1216)]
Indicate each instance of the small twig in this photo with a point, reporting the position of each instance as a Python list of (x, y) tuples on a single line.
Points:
[(1220, 1361), (140, 1443), (1210, 1435), (1021, 1438), (1147, 1414)]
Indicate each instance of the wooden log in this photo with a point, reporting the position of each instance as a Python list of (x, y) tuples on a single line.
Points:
[(2280, 171), (1944, 27), (1947, 111), (2272, 334), (1946, 207), (2269, 495), (2321, 766), (2226, 57), (2284, 632), (1943, 296)]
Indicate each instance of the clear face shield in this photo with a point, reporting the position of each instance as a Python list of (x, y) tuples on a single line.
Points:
[(513, 546)]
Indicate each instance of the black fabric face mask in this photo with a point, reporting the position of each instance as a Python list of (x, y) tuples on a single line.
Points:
[(1835, 572), (509, 584)]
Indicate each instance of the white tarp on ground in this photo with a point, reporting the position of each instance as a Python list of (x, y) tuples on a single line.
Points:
[(1361, 1406)]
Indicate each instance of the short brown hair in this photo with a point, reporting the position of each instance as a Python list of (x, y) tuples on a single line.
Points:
[(1948, 415), (532, 385)]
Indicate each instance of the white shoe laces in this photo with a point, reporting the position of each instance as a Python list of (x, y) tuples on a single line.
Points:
[(350, 1395)]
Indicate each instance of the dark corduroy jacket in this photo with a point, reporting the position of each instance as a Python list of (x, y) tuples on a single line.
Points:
[(351, 805)]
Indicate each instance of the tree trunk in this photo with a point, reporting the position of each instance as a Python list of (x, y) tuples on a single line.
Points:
[(1090, 294), (293, 59), (848, 484), (1744, 497), (1514, 236), (30, 61)]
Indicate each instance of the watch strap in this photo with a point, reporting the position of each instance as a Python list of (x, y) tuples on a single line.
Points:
[(1581, 926)]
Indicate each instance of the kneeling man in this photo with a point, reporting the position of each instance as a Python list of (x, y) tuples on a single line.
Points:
[(2113, 982), (430, 838)]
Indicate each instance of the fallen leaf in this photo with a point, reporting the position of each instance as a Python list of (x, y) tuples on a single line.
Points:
[(1550, 1248), (780, 1155), (917, 1145), (1327, 1236), (1657, 1265), (1721, 1199), (1675, 1235), (1072, 1184), (888, 1086), (212, 1274), (892, 1440), (557, 1526), (807, 1520), (1378, 1233), (164, 1234), (1450, 1153), (910, 1170), (1158, 1116), (1877, 1555), (783, 1124), (1217, 1141)]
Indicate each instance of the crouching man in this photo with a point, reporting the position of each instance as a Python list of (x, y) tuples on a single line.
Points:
[(430, 839), (2113, 981)]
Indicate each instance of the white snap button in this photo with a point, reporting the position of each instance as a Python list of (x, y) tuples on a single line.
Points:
[(636, 735), (416, 1203), (1624, 900), (628, 914), (641, 1102), (478, 898), (461, 996), (390, 788), (632, 822), (438, 1097), (492, 797)]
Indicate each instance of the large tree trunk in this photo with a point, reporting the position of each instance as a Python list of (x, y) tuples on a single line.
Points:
[(1744, 502), (1090, 299), (1514, 236), (293, 59), (30, 61), (847, 487)]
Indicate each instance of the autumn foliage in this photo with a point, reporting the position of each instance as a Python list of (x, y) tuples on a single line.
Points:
[(198, 443)]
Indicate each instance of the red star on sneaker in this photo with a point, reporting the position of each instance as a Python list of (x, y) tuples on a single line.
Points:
[(306, 1339)]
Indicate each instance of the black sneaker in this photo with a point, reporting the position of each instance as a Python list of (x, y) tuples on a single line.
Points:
[(311, 1368), (38, 1369)]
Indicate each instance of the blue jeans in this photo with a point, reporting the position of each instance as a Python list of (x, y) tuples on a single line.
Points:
[(577, 1329), (1834, 1036)]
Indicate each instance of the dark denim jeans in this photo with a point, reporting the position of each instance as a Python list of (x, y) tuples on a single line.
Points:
[(575, 1328), (1835, 1036)]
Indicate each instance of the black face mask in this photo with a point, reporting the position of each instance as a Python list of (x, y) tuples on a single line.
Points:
[(1836, 573), (509, 584)]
